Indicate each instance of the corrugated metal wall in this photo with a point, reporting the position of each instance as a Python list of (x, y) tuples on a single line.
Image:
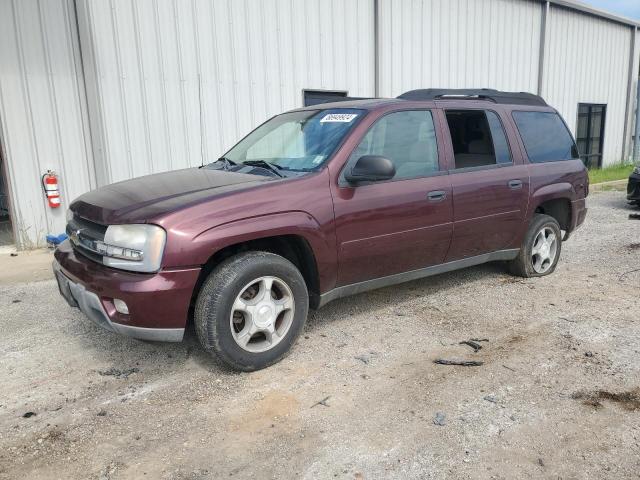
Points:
[(42, 120), (496, 43), (129, 73), (144, 60), (458, 43), (634, 101), (591, 66)]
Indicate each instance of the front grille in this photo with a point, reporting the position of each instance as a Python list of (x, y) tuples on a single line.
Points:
[(83, 234)]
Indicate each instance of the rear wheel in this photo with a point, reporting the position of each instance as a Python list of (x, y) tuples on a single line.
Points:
[(251, 309), (540, 249)]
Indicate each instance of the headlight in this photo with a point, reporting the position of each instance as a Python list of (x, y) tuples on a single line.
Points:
[(138, 248), (637, 170)]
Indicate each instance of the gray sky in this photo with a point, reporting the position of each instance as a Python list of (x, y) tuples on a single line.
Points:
[(626, 8)]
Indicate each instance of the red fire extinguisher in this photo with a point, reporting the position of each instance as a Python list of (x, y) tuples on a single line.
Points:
[(50, 185)]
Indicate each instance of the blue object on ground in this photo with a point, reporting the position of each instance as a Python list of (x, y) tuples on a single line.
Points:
[(56, 239)]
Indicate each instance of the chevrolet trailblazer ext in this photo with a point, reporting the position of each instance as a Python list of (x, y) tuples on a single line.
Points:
[(319, 203)]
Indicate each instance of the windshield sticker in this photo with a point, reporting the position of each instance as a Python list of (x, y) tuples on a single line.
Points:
[(318, 159), (338, 117)]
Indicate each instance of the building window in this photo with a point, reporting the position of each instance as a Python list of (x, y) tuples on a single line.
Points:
[(590, 133), (315, 97)]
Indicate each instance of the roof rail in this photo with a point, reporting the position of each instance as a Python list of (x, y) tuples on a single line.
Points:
[(496, 96)]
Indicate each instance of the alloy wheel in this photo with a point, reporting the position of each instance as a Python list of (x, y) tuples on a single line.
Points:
[(262, 314), (544, 250)]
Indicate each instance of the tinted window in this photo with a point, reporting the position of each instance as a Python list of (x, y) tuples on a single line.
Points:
[(545, 136), (406, 138), (478, 138), (500, 144)]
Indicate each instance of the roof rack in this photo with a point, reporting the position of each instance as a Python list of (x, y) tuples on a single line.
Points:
[(496, 96)]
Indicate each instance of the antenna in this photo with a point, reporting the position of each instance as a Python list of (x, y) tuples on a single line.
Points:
[(201, 121)]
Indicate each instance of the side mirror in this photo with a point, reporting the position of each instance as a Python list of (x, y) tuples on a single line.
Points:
[(371, 168)]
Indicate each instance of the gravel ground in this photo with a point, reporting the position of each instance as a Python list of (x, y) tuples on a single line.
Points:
[(556, 397)]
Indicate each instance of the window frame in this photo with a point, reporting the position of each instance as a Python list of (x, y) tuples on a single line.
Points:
[(453, 171), (588, 137), (525, 153), (342, 182)]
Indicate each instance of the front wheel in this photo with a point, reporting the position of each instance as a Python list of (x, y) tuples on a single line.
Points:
[(540, 249), (251, 309)]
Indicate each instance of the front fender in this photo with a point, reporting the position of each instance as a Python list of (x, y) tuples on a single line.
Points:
[(300, 223)]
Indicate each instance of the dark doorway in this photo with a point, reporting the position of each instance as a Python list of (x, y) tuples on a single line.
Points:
[(6, 229), (590, 133), (315, 97)]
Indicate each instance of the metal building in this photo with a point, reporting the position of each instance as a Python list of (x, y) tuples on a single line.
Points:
[(104, 90)]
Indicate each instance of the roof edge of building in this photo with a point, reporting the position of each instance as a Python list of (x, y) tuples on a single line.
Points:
[(597, 12)]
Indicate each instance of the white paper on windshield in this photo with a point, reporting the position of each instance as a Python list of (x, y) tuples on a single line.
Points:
[(338, 117)]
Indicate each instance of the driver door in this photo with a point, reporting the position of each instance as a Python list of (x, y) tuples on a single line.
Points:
[(389, 227)]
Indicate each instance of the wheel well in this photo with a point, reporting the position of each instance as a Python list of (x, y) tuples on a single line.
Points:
[(292, 247), (560, 209)]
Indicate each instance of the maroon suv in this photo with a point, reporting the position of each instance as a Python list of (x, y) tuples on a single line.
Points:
[(319, 203)]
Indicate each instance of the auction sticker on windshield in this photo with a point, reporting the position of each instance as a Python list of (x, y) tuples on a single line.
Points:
[(338, 117)]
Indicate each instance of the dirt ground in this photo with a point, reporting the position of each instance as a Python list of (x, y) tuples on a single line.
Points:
[(30, 266), (360, 396)]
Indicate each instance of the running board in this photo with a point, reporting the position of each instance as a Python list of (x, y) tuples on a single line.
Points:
[(381, 282)]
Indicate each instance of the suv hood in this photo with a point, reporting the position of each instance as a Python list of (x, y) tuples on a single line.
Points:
[(143, 198)]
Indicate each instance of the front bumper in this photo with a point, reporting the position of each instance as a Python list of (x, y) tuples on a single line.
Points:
[(633, 188), (158, 303)]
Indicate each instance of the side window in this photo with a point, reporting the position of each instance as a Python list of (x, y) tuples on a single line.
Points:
[(500, 143), (478, 138), (545, 137), (407, 138)]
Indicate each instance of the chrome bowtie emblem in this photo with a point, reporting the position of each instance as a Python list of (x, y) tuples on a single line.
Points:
[(75, 235)]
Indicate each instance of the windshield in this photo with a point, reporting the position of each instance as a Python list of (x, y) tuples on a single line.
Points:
[(293, 142)]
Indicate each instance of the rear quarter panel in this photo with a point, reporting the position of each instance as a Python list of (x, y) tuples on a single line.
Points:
[(565, 179)]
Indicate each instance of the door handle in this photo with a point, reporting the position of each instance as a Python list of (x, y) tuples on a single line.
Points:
[(515, 184), (436, 195)]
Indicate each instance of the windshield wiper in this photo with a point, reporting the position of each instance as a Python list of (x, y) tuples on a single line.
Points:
[(226, 163), (264, 164)]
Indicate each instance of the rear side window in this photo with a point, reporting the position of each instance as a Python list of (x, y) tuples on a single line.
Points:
[(407, 138), (545, 137), (478, 138)]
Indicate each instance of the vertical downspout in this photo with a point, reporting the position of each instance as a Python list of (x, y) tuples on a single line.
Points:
[(629, 103), (376, 49), (543, 41), (636, 143)]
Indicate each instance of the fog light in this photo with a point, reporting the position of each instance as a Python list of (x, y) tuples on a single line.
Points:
[(121, 307)]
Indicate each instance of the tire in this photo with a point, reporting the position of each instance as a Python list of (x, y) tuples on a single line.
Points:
[(525, 265), (246, 292)]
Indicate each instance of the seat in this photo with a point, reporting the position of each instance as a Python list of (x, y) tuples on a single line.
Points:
[(479, 155)]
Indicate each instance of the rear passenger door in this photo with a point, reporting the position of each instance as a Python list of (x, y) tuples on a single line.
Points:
[(489, 180)]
